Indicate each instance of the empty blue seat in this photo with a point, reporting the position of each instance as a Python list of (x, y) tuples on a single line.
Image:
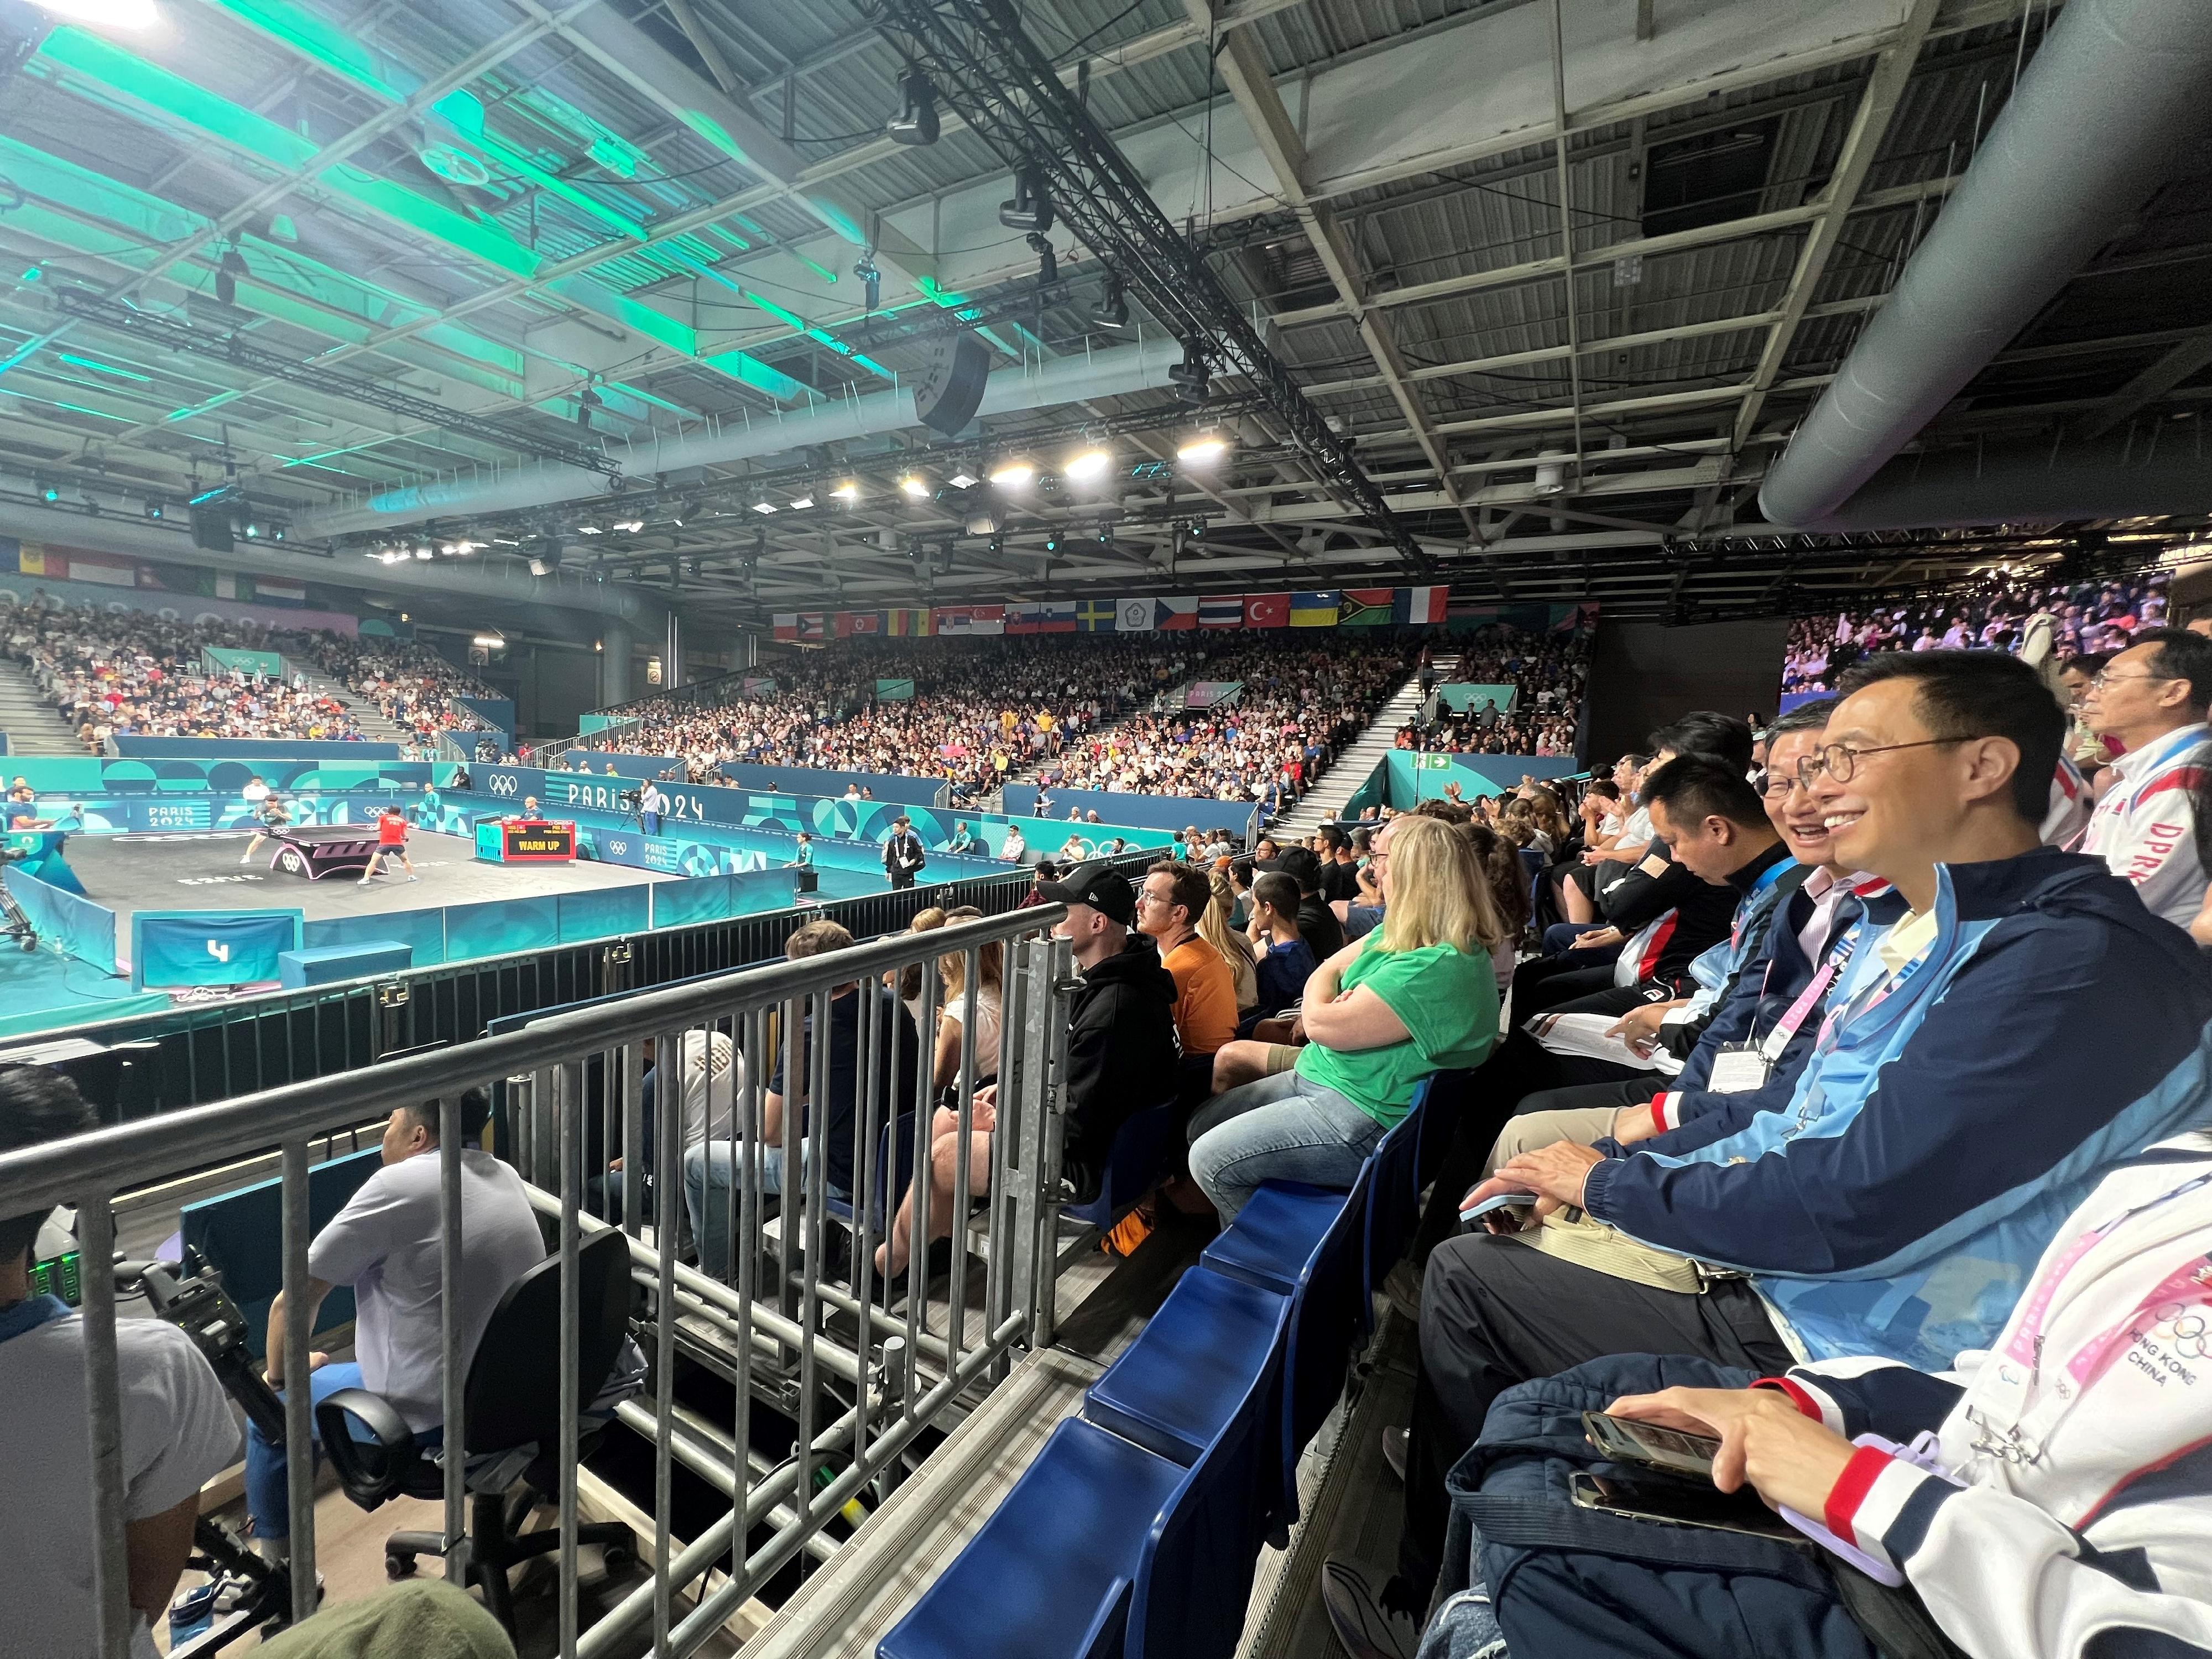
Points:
[(1273, 1236), (1394, 1199), (1176, 1386), (1049, 1575), (1140, 1148), (1321, 1330)]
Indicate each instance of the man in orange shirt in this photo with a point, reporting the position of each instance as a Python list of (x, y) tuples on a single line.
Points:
[(1174, 896)]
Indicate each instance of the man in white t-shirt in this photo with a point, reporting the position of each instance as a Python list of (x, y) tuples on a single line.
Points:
[(387, 1243), (178, 1430)]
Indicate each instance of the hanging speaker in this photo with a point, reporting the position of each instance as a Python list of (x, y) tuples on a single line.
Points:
[(950, 389)]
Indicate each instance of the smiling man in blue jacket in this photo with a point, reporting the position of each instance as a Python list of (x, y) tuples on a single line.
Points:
[(2023, 1028)]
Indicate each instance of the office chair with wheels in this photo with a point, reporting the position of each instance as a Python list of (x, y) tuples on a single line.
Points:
[(512, 1402)]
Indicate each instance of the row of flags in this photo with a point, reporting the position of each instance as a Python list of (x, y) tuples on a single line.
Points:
[(1326, 607), (72, 564)]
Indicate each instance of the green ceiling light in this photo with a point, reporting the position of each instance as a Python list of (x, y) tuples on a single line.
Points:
[(103, 368), (616, 157), (454, 164)]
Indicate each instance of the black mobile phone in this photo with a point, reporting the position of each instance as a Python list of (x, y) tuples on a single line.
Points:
[(1670, 1450), (1678, 1503)]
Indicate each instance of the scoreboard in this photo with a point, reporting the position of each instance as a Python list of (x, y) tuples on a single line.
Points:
[(525, 840)]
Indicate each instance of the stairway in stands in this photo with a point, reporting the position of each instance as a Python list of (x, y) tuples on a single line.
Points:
[(32, 725), (1342, 782)]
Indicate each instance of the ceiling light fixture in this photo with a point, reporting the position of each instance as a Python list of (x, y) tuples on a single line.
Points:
[(423, 551), (105, 14), (1088, 466), (1014, 475), (917, 122), (227, 271), (799, 503), (1031, 208), (1112, 310), (963, 479), (1204, 450), (848, 492), (916, 485)]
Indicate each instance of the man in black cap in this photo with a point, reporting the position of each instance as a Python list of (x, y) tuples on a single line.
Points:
[(1317, 924), (1121, 1050)]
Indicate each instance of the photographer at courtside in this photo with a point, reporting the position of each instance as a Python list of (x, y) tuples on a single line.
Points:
[(177, 1431)]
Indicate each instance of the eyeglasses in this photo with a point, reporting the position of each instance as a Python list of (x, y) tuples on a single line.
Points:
[(1841, 762), (2105, 677)]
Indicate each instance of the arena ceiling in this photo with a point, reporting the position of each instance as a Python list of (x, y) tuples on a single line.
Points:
[(579, 287)]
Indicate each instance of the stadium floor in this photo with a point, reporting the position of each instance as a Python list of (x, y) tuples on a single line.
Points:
[(200, 870)]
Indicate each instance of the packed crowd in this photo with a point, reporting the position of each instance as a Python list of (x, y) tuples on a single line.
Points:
[(2036, 620), (1548, 674), (131, 673), (411, 684), (1298, 706)]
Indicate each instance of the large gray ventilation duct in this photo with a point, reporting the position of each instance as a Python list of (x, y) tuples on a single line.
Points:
[(2116, 91), (1141, 368), (2166, 472), (417, 579)]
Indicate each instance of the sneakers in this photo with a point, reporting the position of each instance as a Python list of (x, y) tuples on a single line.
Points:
[(1395, 1441), (1133, 1229), (1365, 1627)]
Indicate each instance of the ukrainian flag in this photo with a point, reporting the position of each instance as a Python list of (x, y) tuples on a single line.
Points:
[(1316, 610)]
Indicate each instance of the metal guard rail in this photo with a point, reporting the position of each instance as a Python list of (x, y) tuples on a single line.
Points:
[(864, 1398), (209, 1052)]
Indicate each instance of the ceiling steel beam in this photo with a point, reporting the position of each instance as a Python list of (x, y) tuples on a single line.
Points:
[(2188, 354)]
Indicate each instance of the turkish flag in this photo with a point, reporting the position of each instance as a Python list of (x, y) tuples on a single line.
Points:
[(1266, 611)]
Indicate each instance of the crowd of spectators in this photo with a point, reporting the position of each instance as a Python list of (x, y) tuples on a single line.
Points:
[(2016, 614), (412, 684), (131, 673), (1548, 674)]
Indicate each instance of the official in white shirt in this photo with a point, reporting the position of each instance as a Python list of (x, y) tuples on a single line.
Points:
[(2151, 699), (177, 1430), (388, 1244)]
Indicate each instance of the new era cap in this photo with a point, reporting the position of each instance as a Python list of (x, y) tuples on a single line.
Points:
[(1099, 885)]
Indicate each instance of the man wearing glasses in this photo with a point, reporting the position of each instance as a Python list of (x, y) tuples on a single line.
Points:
[(2151, 700), (1948, 1121)]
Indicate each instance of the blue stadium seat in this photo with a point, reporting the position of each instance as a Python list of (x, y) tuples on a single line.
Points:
[(1393, 1198), (1273, 1235), (1049, 1575), (1174, 1390), (1446, 1099), (1140, 1148), (1327, 1307)]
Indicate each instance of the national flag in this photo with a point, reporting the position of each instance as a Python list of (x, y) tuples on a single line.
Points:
[(1057, 616), (840, 625), (1314, 610), (908, 623), (1419, 607), (269, 591), (30, 559), (1266, 611), (1095, 616), (84, 569), (1364, 607), (1221, 613), (865, 621), (1172, 616), (786, 624), (1135, 616), (810, 625), (150, 575), (966, 619), (228, 586), (1022, 619)]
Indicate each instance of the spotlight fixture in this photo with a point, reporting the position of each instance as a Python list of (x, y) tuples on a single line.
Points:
[(49, 492), (800, 503), (275, 532), (253, 529), (1112, 310), (154, 509), (106, 14), (848, 492), (1031, 209), (589, 530), (490, 643), (1193, 380), (871, 283), (1048, 261), (1207, 449), (916, 486), (963, 479), (228, 270), (587, 400), (762, 504), (916, 121), (1089, 466), (1014, 475), (423, 550)]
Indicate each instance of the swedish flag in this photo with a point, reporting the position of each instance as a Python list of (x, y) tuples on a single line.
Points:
[(1095, 616)]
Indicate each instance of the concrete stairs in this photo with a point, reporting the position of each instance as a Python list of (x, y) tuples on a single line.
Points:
[(1351, 769), (32, 725), (367, 716)]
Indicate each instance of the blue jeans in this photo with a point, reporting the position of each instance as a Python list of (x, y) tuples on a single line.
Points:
[(710, 1170), (267, 1467), (1283, 1127)]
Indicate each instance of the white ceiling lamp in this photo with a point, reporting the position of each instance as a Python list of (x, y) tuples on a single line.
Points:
[(1204, 450), (799, 503), (763, 505), (916, 486), (1089, 466), (130, 15), (963, 479), (1014, 474), (848, 492)]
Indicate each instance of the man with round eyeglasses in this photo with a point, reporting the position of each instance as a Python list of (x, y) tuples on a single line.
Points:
[(2151, 699)]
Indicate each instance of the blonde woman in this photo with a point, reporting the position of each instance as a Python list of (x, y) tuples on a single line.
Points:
[(1414, 997), (990, 978), (1217, 929), (908, 978)]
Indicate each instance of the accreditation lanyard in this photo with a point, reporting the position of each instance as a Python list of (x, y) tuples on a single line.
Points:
[(1767, 878), (2015, 1414), (1799, 1012)]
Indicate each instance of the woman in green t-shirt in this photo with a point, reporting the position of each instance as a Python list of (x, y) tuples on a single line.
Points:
[(1413, 997)]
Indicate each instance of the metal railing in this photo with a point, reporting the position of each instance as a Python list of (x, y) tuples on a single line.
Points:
[(208, 1052), (860, 1361)]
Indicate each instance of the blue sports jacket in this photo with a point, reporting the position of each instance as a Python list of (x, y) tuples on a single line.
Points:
[(1949, 1118)]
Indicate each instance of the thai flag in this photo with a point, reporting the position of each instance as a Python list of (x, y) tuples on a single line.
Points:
[(1221, 613)]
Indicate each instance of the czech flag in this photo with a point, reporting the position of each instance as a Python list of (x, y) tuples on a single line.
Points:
[(1177, 614)]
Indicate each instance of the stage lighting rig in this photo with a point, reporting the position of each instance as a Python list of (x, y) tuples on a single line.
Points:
[(917, 122)]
